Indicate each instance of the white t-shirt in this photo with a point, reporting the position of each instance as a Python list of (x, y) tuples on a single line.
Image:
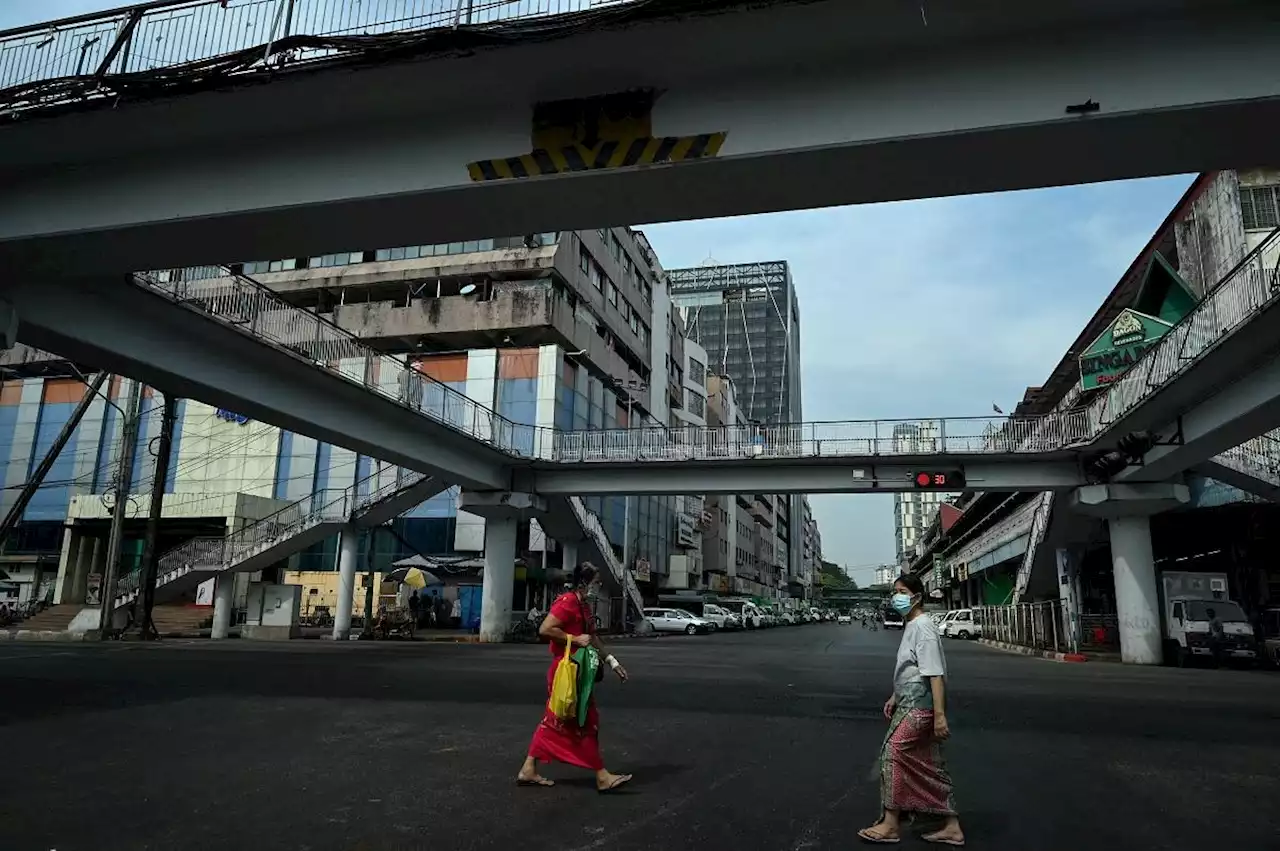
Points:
[(919, 656)]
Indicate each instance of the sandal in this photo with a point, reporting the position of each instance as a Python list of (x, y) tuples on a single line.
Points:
[(942, 840), (617, 783), (536, 780), (877, 839)]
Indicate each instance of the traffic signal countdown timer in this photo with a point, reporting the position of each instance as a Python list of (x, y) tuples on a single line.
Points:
[(941, 480)]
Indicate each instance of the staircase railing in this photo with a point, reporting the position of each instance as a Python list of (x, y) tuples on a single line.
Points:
[(1241, 295), (591, 525), (54, 62), (1258, 457), (221, 552), (1039, 528), (1001, 532), (243, 303)]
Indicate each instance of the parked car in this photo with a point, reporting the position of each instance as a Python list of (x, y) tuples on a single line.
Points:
[(677, 620), (893, 620), (961, 624), (722, 618), (844, 618), (747, 612)]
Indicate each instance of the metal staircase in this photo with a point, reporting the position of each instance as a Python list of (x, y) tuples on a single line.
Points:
[(1041, 516), (1257, 460), (567, 518), (283, 533), (595, 534)]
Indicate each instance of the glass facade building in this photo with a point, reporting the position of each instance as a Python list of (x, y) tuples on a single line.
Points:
[(747, 318)]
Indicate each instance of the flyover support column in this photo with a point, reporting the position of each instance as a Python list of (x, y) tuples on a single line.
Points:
[(1127, 510), (570, 558), (224, 588), (499, 578), (348, 552), (503, 512), (1137, 598)]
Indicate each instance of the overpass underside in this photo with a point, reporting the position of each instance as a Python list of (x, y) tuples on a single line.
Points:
[(1009, 95)]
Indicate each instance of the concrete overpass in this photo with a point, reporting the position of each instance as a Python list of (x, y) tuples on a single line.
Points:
[(1006, 94)]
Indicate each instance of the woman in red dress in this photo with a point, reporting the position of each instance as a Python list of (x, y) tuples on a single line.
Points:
[(559, 739)]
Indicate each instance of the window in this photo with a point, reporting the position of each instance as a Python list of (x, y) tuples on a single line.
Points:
[(597, 276), (612, 291), (695, 403), (260, 266), (1260, 207), (604, 235), (342, 259), (615, 248), (584, 259), (697, 372)]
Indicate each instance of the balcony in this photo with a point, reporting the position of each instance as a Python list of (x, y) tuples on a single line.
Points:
[(762, 513)]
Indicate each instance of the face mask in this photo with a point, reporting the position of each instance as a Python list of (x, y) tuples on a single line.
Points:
[(901, 603)]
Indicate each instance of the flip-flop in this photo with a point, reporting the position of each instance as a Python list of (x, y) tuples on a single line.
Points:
[(618, 783), (939, 840), (534, 781), (877, 840)]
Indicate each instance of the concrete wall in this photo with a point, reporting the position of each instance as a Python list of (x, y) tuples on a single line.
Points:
[(512, 306), (1210, 237)]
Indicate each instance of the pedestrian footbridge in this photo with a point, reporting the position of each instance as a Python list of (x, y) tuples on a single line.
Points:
[(116, 152), (210, 334), (1210, 386)]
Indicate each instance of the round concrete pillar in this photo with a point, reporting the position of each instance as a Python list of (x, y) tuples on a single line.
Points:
[(1137, 597)]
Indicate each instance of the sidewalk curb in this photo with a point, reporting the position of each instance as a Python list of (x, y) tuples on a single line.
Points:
[(42, 635), (1027, 651)]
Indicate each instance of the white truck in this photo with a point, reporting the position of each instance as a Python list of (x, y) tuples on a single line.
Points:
[(1201, 622)]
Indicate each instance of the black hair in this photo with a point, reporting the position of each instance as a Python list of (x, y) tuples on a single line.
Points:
[(584, 574), (912, 583)]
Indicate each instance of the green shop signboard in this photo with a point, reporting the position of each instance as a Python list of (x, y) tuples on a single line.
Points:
[(1119, 347)]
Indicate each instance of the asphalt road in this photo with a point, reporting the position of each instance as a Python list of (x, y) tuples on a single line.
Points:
[(749, 741)]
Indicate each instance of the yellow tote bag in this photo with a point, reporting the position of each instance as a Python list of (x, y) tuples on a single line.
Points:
[(564, 687)]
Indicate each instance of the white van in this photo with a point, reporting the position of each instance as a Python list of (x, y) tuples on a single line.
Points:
[(747, 612), (961, 624), (722, 618)]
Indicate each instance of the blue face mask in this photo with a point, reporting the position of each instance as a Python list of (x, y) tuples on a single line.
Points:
[(901, 603)]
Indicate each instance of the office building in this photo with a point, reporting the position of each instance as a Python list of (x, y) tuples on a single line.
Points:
[(551, 330), (747, 319)]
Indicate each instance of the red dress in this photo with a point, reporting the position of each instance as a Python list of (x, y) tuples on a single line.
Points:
[(559, 739)]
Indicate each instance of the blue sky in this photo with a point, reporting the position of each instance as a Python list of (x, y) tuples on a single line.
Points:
[(915, 309), (933, 308)]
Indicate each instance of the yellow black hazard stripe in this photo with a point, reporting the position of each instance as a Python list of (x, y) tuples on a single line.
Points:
[(612, 154)]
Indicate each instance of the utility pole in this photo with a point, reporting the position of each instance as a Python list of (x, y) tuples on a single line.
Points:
[(367, 630), (124, 483), (145, 601)]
